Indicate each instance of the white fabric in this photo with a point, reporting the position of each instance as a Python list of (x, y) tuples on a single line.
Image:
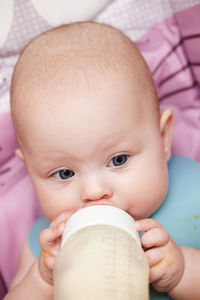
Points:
[(57, 12)]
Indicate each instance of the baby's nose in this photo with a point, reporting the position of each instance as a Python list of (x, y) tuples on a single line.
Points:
[(94, 189)]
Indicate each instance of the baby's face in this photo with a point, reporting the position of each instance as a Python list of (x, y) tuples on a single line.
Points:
[(92, 146)]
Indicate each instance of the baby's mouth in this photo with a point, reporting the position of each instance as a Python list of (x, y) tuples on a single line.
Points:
[(100, 202)]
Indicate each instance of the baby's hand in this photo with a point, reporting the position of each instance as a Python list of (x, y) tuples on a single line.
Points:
[(164, 255), (50, 240)]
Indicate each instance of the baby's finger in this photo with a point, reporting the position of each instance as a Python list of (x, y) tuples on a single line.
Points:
[(160, 275), (157, 272), (155, 256), (147, 224), (49, 238), (62, 218), (156, 237), (46, 266), (49, 260)]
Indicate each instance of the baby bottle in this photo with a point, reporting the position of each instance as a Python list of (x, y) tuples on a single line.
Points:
[(101, 257)]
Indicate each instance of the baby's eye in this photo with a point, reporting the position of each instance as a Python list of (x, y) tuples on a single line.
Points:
[(63, 174), (118, 160)]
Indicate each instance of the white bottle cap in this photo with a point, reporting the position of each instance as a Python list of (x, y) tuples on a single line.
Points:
[(100, 215)]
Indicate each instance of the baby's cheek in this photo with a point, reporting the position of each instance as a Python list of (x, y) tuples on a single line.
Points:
[(157, 194), (148, 198)]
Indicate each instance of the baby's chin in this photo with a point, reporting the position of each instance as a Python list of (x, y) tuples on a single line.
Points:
[(140, 216)]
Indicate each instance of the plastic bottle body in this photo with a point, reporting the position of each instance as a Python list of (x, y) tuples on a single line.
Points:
[(101, 262)]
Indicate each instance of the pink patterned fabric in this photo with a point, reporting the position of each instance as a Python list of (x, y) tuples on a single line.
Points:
[(171, 50), (19, 206), (26, 24)]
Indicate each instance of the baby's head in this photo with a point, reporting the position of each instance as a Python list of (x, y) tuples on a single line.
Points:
[(87, 121)]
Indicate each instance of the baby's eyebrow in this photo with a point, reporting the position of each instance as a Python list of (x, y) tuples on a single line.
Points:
[(56, 159), (123, 143), (51, 162)]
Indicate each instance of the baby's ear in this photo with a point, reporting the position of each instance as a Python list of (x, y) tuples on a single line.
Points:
[(19, 154), (166, 126)]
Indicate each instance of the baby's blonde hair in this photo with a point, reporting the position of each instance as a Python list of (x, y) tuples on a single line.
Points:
[(84, 47)]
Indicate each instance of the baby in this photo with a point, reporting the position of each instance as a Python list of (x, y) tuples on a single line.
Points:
[(90, 132)]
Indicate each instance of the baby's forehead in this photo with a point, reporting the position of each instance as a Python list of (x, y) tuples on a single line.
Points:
[(82, 113), (76, 57), (100, 96), (82, 46)]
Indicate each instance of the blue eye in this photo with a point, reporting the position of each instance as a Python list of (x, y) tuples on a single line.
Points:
[(64, 174), (118, 160)]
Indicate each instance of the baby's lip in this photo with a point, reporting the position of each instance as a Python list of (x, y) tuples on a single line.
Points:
[(99, 202)]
